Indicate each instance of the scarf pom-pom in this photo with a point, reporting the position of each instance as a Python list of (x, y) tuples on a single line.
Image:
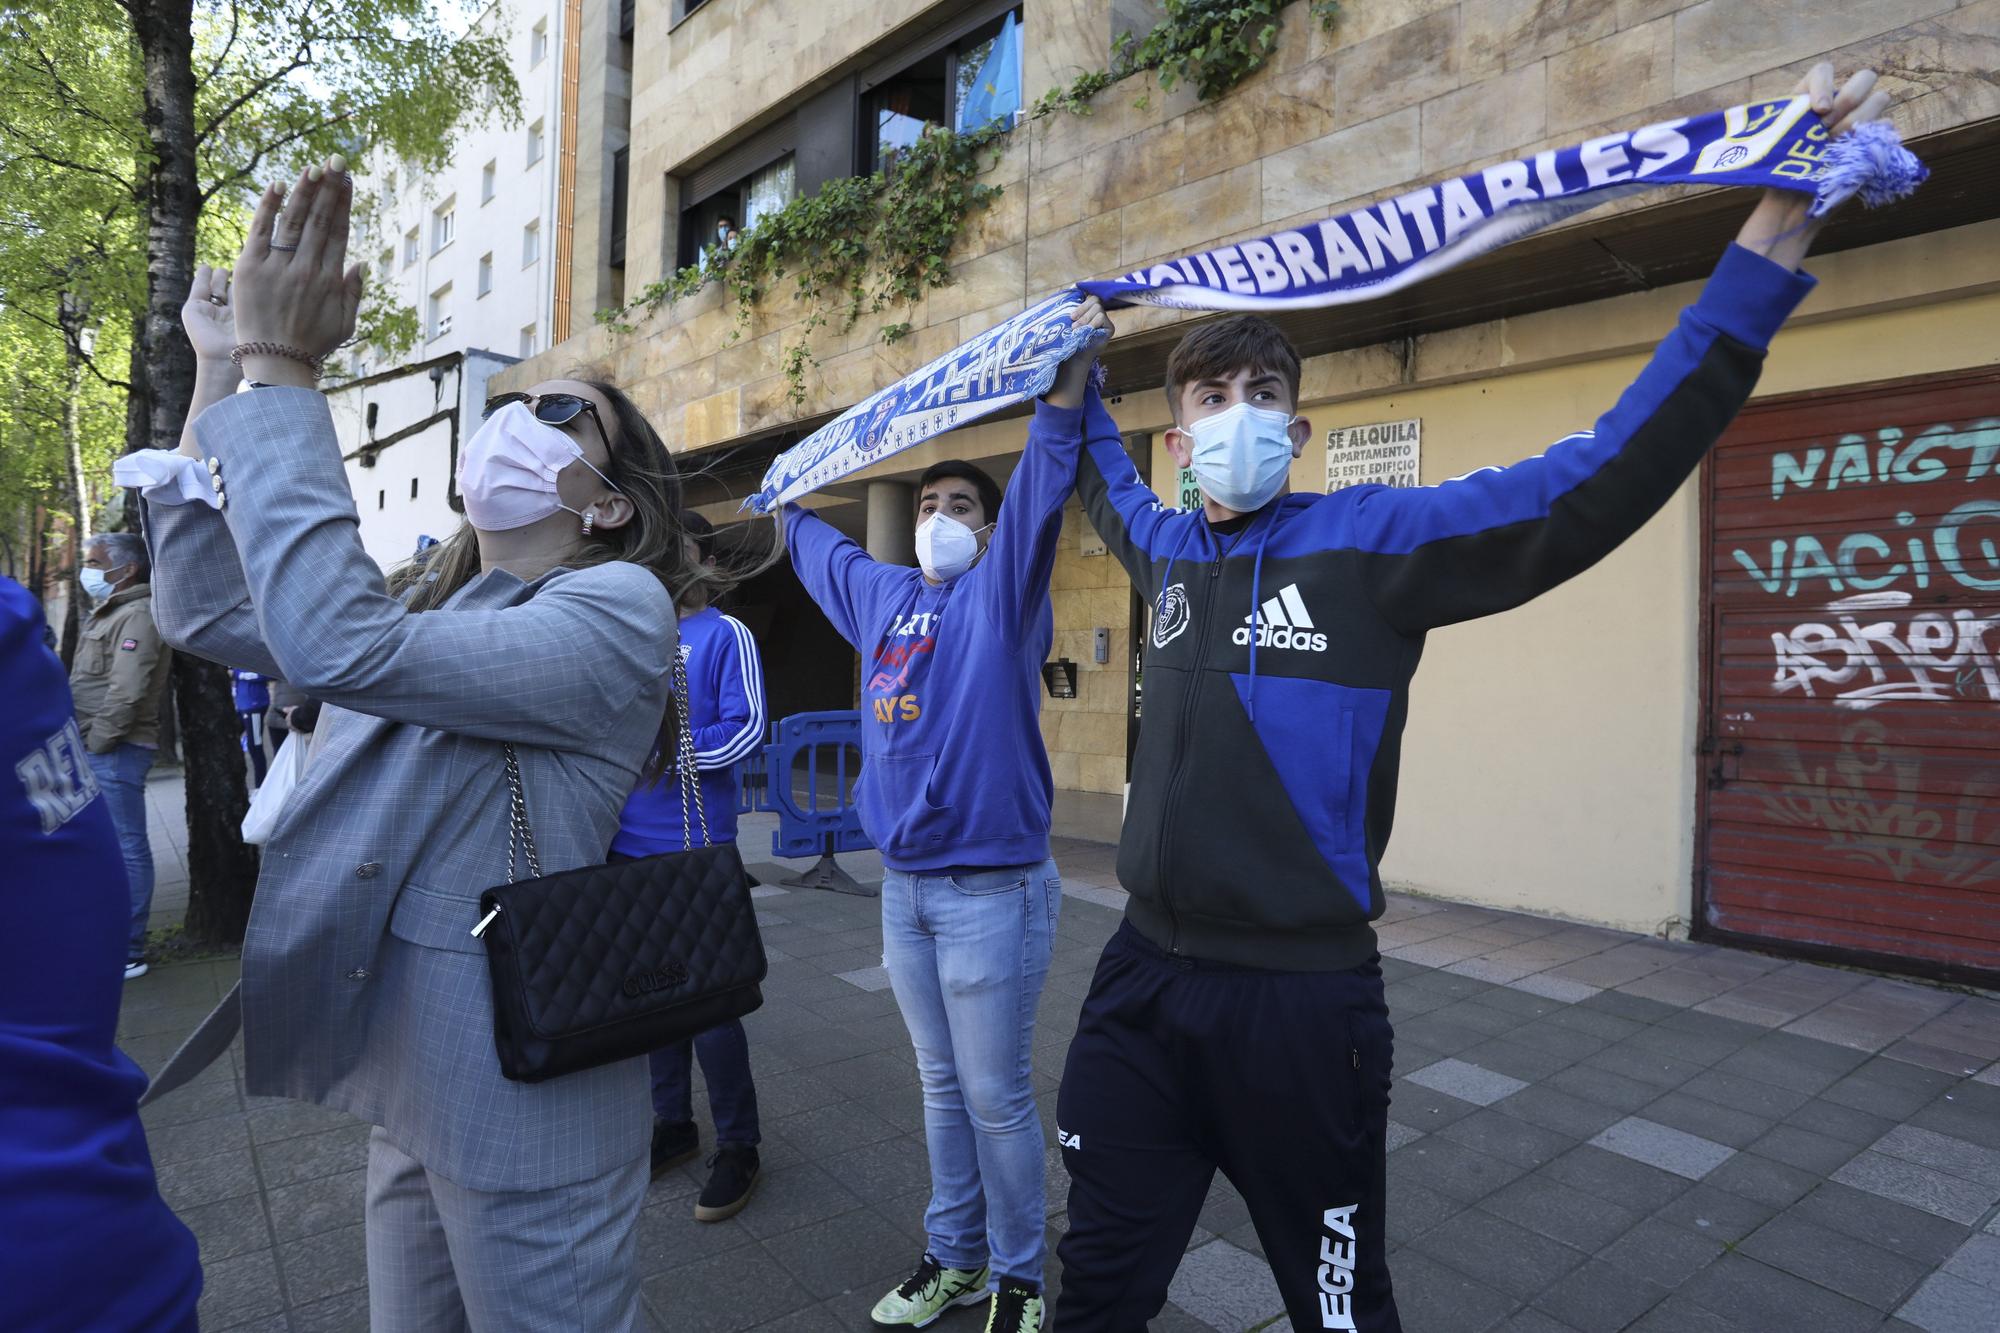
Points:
[(1869, 161)]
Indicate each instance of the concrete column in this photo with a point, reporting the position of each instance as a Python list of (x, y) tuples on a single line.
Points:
[(892, 525)]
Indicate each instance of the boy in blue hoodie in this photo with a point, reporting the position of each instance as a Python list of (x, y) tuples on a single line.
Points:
[(1237, 1018), (955, 791)]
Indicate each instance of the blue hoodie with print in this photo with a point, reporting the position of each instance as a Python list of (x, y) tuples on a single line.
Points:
[(954, 773)]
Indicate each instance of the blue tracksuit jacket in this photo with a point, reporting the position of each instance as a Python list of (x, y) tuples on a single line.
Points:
[(1278, 664), (726, 714)]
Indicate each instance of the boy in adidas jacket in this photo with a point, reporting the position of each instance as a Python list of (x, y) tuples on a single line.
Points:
[(1237, 1018)]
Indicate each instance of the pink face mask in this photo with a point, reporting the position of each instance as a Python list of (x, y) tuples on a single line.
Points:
[(507, 470)]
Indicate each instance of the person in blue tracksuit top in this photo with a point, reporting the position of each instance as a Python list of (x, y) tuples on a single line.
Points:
[(955, 791), (726, 713), (1237, 1018), (253, 700), (88, 1243)]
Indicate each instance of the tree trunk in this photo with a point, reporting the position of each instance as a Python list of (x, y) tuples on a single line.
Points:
[(79, 490), (222, 871), (165, 29), (138, 411), (79, 499), (217, 911)]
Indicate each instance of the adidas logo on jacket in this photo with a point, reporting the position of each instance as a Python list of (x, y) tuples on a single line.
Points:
[(1285, 623)]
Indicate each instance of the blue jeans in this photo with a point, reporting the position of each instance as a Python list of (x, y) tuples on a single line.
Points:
[(967, 955), (725, 1063), (121, 773)]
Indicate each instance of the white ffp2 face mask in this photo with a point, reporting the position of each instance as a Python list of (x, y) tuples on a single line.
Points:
[(507, 470), (946, 548), (1241, 456)]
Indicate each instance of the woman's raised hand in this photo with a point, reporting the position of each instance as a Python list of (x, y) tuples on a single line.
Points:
[(208, 318), (293, 288)]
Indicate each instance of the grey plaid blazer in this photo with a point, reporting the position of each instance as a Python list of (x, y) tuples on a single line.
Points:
[(363, 988)]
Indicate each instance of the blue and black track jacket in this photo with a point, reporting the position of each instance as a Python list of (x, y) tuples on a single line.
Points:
[(1279, 658)]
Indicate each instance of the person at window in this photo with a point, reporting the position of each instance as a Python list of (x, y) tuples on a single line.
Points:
[(724, 240), (546, 622), (119, 679), (726, 711)]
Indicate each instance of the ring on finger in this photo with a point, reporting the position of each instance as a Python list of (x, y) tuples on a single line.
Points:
[(218, 299), (276, 245)]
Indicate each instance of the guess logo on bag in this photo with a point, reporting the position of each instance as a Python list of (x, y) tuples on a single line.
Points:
[(660, 978)]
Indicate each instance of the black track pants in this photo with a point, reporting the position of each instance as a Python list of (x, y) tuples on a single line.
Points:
[(1280, 1079)]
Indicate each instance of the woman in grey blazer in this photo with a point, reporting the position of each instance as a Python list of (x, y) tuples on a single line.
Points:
[(548, 622)]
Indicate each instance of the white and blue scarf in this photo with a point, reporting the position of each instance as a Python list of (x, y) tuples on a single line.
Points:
[(1356, 256)]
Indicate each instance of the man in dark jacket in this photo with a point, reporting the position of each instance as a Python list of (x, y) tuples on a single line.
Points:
[(1237, 1019), (119, 679)]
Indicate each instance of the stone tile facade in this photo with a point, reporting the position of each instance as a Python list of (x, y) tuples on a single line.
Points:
[(1401, 92)]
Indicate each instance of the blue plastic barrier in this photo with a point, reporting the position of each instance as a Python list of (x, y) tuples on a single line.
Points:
[(827, 821), (753, 784)]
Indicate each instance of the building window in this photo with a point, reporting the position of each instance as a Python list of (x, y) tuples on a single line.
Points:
[(413, 488), (769, 190), (381, 499), (444, 225), (538, 44), (486, 273), (389, 189), (621, 187), (531, 243), (411, 247), (534, 143), (385, 265), (487, 174), (712, 221), (528, 341), (439, 323), (967, 86)]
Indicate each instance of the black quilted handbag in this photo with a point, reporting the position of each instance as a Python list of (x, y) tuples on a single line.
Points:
[(606, 962)]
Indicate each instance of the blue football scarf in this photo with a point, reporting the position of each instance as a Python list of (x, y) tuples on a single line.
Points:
[(1357, 256)]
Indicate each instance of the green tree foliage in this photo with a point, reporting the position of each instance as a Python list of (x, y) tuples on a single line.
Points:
[(133, 136), (276, 84)]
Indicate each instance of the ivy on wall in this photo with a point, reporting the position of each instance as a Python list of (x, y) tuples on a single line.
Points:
[(862, 244)]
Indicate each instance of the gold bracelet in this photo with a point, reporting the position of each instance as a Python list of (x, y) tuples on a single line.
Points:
[(307, 359)]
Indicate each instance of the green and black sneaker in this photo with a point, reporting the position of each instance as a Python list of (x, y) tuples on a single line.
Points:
[(928, 1293), (1016, 1308)]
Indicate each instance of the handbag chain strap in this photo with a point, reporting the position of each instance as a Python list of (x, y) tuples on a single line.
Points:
[(684, 759), (519, 831), (521, 834)]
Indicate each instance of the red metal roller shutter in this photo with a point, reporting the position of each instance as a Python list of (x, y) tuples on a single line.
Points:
[(1851, 806)]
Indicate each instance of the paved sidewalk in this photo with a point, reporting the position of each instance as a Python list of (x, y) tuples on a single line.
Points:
[(1590, 1131)]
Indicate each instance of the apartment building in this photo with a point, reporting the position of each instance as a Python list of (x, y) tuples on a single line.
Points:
[(1772, 717), (488, 252)]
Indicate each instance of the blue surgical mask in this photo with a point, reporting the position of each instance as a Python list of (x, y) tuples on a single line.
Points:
[(1242, 456), (95, 583)]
